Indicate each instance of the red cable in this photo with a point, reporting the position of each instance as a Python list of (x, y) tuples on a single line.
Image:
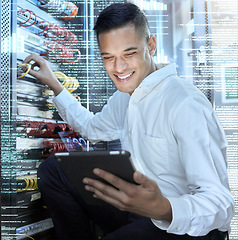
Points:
[(47, 26), (64, 36), (75, 40), (69, 36), (32, 126), (23, 11), (50, 127), (69, 55), (72, 41), (62, 128), (61, 147), (19, 123), (31, 12), (73, 13), (51, 50), (64, 54), (52, 27), (59, 52), (68, 128), (49, 29), (33, 22), (79, 56), (51, 145)]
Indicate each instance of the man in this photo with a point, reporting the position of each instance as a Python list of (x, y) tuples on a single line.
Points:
[(176, 142)]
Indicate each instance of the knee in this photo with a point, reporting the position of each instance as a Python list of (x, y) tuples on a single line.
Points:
[(45, 171)]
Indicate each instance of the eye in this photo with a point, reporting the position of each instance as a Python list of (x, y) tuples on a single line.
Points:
[(107, 58), (130, 54)]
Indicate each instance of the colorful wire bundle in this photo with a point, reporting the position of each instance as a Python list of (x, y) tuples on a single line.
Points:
[(72, 9), (69, 83), (30, 181), (53, 147), (59, 52), (49, 30), (44, 129), (27, 22), (58, 34), (68, 10), (23, 65)]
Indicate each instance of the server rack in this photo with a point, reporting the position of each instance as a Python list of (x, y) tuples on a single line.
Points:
[(60, 31)]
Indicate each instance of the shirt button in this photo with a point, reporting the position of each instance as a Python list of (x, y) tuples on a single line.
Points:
[(129, 132)]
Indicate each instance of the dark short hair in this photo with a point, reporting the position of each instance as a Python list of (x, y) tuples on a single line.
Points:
[(121, 14)]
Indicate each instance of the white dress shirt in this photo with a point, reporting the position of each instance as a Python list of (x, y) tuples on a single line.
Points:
[(175, 138)]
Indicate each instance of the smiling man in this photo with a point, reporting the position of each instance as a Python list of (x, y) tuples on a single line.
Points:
[(127, 59), (175, 139)]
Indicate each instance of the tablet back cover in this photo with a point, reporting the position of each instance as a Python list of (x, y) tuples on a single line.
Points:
[(78, 165)]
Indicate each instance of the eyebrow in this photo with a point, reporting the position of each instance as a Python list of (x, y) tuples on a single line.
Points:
[(126, 50)]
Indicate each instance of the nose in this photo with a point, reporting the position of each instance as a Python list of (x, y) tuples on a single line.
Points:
[(120, 65)]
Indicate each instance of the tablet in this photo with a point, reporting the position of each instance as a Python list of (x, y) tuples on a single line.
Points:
[(78, 165)]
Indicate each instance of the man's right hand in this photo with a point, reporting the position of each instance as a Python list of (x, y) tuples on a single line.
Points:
[(44, 73)]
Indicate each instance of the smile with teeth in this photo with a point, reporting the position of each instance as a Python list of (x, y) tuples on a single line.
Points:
[(124, 77)]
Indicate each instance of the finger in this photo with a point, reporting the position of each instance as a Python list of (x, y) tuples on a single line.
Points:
[(116, 203), (105, 197), (34, 73), (106, 189), (31, 57), (34, 65), (38, 62), (146, 182), (113, 180), (36, 58)]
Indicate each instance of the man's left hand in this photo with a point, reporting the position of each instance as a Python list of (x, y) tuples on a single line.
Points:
[(144, 199)]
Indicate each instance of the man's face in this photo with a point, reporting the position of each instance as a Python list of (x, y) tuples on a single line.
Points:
[(127, 57)]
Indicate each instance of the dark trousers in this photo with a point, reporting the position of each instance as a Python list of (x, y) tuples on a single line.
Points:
[(72, 216)]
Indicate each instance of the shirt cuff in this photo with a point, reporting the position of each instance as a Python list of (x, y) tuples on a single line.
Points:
[(181, 217)]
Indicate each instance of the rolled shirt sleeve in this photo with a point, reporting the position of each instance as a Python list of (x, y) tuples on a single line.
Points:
[(101, 126), (201, 144)]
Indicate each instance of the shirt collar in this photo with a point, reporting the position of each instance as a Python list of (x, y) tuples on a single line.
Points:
[(152, 80), (157, 76)]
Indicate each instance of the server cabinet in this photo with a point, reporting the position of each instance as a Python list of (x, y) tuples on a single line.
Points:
[(31, 129)]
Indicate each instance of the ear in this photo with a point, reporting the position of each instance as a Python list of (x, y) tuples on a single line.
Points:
[(152, 45)]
